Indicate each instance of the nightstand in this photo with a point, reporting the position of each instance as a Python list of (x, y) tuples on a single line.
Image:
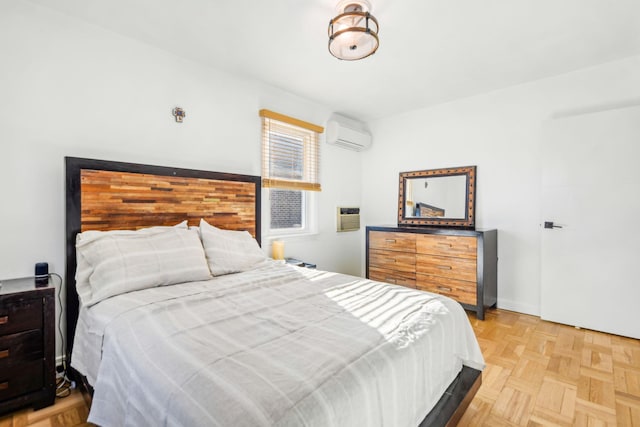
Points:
[(299, 263), (27, 344)]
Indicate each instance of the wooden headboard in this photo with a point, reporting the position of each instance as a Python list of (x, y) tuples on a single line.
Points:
[(104, 195)]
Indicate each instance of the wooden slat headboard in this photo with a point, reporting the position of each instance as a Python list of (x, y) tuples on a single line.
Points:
[(104, 195)]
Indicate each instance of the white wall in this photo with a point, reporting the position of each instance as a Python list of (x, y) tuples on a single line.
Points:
[(500, 133), (73, 89)]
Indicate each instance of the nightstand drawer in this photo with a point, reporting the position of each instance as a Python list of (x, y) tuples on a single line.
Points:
[(18, 314), (21, 379), (19, 348)]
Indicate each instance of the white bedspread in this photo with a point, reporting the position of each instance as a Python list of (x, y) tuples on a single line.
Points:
[(275, 346)]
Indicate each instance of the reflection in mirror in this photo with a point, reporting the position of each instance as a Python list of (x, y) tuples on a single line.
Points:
[(437, 197)]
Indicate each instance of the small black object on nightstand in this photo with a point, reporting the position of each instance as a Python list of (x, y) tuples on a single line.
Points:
[(42, 274), (299, 263), (27, 344)]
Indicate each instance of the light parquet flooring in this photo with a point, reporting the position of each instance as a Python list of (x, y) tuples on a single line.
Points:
[(545, 374), (538, 374), (70, 411)]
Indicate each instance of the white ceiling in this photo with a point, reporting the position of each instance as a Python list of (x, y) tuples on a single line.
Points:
[(431, 51)]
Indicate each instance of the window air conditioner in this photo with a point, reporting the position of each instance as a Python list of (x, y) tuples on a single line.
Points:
[(347, 133)]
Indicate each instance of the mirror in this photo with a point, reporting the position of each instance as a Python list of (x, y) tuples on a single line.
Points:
[(442, 197)]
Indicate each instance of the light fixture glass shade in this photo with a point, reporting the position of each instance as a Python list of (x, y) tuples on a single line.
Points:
[(353, 34)]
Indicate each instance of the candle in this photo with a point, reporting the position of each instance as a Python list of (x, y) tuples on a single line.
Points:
[(277, 249)]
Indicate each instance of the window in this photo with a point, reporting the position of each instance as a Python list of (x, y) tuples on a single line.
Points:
[(290, 171)]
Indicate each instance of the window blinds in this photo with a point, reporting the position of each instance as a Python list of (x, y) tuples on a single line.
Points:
[(290, 152)]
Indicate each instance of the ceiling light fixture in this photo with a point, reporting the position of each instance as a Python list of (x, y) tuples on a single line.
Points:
[(353, 34)]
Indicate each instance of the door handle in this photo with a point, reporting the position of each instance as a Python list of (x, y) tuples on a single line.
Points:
[(550, 224)]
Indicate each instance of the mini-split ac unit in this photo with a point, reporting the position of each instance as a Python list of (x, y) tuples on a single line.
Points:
[(347, 133)]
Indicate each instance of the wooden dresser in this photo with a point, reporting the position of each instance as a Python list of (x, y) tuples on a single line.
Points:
[(27, 341), (461, 264)]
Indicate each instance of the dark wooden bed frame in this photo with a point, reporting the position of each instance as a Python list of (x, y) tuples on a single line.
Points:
[(106, 195)]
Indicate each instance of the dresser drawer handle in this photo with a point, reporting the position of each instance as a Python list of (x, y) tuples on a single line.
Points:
[(444, 288), (390, 240), (4, 319), (391, 260), (4, 353), (390, 280), (4, 385), (444, 267), (445, 245)]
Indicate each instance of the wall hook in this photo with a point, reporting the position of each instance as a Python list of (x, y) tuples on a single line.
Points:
[(179, 114)]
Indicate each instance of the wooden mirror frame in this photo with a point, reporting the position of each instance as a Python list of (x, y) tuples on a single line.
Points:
[(467, 222)]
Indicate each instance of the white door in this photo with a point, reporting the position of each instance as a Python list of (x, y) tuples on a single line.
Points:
[(590, 269)]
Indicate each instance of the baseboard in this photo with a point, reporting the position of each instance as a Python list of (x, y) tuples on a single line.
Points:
[(518, 307), (60, 360)]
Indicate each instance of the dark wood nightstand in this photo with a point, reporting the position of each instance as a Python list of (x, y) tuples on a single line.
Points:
[(27, 344)]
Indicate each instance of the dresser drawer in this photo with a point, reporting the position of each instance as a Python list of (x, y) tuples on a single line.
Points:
[(449, 267), (461, 291), (392, 241), (20, 347), (407, 279), (454, 246), (21, 379), (392, 260), (20, 314)]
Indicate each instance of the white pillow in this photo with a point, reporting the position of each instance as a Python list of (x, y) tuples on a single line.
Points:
[(229, 251), (84, 269), (116, 263)]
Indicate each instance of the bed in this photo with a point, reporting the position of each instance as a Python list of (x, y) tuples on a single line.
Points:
[(258, 342)]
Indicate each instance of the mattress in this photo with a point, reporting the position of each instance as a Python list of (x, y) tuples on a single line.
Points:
[(274, 346)]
